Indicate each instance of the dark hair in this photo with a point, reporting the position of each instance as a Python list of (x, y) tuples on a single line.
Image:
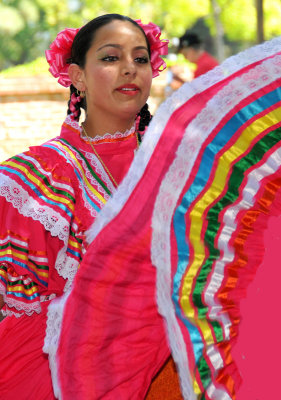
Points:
[(82, 43), (85, 36), (190, 39)]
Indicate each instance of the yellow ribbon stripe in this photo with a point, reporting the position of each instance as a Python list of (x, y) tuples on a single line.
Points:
[(38, 183), (91, 188), (196, 216)]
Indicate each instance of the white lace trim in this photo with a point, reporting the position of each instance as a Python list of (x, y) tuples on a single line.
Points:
[(9, 313), (95, 162), (29, 207), (71, 122), (229, 223), (97, 166), (22, 308), (115, 204), (161, 117), (171, 187), (66, 267), (108, 136), (92, 180), (52, 221), (26, 309), (116, 135), (54, 321), (160, 256)]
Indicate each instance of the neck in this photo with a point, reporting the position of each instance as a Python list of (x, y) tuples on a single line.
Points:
[(199, 54), (94, 128)]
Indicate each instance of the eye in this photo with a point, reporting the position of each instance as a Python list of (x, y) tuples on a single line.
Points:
[(110, 58), (142, 60)]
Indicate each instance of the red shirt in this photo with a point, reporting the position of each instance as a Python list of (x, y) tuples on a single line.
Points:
[(204, 64)]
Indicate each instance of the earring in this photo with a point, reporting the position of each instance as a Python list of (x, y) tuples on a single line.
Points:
[(81, 93)]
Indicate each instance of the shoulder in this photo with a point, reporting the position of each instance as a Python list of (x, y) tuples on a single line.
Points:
[(37, 171), (41, 155), (38, 185)]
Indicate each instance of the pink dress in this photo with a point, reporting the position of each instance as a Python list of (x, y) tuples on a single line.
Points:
[(49, 196), (201, 223)]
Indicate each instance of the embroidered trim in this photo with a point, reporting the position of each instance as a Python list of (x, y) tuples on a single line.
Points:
[(54, 321), (104, 176), (113, 206), (76, 160), (198, 130), (29, 207), (58, 227), (100, 170), (109, 136), (160, 119), (25, 308), (66, 267)]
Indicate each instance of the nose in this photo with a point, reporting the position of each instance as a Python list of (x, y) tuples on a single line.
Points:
[(129, 67)]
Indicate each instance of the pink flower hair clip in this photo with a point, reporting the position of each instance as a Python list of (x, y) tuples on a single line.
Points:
[(158, 47), (59, 54)]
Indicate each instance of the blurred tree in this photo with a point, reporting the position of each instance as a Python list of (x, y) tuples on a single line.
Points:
[(238, 18), (24, 30), (219, 30), (28, 26), (260, 23)]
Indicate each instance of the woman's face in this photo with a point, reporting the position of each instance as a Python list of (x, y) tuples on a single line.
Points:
[(117, 75)]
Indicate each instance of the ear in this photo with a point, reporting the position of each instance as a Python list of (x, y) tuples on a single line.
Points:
[(76, 75)]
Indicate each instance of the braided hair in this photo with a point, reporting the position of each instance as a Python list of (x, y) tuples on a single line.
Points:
[(144, 118), (75, 103)]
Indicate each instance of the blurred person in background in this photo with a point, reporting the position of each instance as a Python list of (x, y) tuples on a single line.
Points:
[(191, 47)]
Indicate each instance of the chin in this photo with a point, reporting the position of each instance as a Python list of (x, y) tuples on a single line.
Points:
[(130, 112)]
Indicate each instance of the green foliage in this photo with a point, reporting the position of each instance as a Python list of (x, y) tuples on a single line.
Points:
[(272, 17), (36, 67), (28, 26), (182, 14), (239, 20), (11, 20)]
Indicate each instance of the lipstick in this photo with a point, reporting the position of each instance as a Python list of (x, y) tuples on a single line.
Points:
[(128, 89)]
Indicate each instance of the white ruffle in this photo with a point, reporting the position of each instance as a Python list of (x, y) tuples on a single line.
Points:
[(116, 135), (52, 221), (197, 131), (18, 308), (115, 204), (66, 267), (26, 205), (54, 321), (109, 136), (158, 122)]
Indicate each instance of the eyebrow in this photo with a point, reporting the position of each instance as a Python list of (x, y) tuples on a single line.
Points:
[(118, 46)]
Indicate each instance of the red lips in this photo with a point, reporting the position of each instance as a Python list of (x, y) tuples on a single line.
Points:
[(128, 89)]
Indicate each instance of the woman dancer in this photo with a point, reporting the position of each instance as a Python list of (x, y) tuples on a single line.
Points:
[(201, 203), (51, 194)]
